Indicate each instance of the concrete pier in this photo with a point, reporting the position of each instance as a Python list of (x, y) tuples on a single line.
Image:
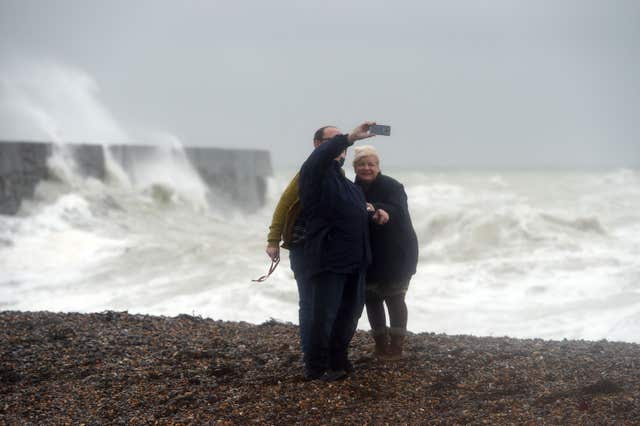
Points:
[(239, 176)]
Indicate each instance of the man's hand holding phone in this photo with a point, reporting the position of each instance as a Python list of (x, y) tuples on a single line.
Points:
[(361, 132)]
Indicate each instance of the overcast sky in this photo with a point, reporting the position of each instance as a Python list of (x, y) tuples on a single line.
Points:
[(462, 83)]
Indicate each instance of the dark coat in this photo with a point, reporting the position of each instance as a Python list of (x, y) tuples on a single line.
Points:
[(394, 245), (337, 226)]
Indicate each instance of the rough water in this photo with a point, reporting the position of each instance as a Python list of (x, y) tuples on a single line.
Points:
[(525, 254)]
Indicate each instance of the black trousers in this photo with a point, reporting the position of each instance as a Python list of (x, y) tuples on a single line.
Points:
[(337, 303)]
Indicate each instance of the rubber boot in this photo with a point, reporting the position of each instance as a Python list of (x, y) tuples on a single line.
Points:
[(397, 342), (381, 339)]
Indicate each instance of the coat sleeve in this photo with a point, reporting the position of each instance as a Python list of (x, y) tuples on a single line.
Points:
[(317, 164), (288, 197)]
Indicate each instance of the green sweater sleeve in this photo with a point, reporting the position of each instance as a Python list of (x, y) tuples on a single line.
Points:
[(288, 197)]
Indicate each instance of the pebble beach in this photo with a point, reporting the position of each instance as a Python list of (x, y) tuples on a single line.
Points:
[(120, 368)]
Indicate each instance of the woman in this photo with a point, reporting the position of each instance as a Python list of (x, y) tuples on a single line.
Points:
[(394, 248)]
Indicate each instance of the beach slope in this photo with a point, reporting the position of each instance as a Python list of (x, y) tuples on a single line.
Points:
[(137, 369)]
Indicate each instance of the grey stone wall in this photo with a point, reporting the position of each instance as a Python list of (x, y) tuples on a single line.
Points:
[(89, 160), (239, 176), (22, 166)]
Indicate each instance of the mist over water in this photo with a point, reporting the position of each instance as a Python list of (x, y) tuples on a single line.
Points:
[(526, 254)]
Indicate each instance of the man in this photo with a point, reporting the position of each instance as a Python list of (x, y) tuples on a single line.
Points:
[(336, 252), (287, 225)]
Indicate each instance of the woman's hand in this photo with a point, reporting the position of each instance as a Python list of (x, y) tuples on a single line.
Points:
[(380, 217)]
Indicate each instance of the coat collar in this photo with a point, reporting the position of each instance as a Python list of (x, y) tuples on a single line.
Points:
[(370, 185)]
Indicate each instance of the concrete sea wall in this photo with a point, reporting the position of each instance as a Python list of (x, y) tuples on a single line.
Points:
[(239, 176)]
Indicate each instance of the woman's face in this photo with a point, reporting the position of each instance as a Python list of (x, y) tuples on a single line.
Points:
[(367, 169)]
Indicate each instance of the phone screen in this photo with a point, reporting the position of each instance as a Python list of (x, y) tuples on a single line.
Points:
[(380, 129)]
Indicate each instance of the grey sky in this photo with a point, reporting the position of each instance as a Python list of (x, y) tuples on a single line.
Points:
[(462, 83)]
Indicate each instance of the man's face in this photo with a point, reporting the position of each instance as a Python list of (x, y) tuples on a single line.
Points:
[(327, 134), (330, 132)]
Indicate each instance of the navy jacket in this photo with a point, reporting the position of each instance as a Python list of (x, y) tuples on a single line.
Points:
[(337, 226), (394, 245)]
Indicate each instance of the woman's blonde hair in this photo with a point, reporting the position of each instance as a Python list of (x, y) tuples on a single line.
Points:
[(365, 151)]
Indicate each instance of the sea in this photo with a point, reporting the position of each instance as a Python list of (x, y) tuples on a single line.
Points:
[(526, 254)]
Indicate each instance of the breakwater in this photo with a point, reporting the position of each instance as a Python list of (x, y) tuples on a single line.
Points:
[(236, 175)]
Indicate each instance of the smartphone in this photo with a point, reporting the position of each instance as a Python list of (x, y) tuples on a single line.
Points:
[(379, 129)]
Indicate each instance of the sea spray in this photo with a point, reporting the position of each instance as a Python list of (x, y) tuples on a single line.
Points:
[(166, 173), (56, 103), (52, 102)]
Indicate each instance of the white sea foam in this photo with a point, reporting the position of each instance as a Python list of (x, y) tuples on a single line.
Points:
[(493, 261)]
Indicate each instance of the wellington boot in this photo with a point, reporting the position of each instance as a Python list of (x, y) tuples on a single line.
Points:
[(395, 348), (381, 339)]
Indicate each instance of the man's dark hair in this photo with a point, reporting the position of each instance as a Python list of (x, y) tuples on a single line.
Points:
[(319, 134)]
